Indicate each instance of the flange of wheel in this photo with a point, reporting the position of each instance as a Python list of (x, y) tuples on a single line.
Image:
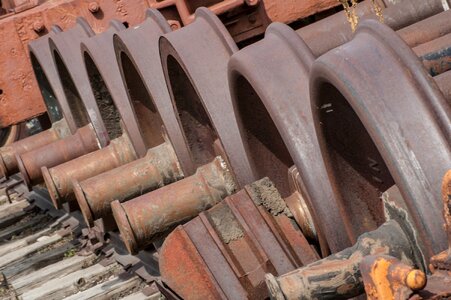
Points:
[(194, 61), (397, 14), (269, 87), (381, 120), (137, 54), (65, 49), (49, 83), (106, 82)]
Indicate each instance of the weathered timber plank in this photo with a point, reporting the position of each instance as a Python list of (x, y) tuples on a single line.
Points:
[(61, 287), (107, 290), (59, 269)]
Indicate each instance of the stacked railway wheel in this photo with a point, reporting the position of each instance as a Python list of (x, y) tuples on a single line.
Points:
[(211, 153)]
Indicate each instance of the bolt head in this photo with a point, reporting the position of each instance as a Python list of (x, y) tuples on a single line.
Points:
[(94, 7), (38, 26)]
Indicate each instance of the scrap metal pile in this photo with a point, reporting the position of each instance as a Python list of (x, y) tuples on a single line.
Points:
[(192, 157)]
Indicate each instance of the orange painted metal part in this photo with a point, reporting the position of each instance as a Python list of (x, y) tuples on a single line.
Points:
[(385, 277), (20, 98)]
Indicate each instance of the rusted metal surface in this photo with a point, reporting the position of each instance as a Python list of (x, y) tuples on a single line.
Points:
[(32, 19), (49, 83), (199, 95), (243, 18), (439, 283), (117, 114), (137, 53), (292, 10), (396, 14), (265, 80), (426, 30), (262, 82), (158, 168), (436, 54), (142, 220), (225, 252), (369, 147), (59, 179), (443, 81), (338, 276), (30, 163), (20, 98), (385, 277), (8, 161), (74, 78)]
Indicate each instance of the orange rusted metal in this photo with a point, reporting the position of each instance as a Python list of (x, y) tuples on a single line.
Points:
[(158, 168), (59, 179), (20, 98), (30, 163), (228, 249), (8, 161), (28, 20), (338, 276), (143, 219), (385, 277)]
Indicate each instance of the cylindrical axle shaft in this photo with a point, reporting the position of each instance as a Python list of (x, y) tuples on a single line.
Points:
[(338, 276), (158, 168), (30, 163), (8, 162), (141, 220), (59, 179)]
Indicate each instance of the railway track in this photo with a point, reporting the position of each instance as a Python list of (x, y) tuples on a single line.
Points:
[(38, 250)]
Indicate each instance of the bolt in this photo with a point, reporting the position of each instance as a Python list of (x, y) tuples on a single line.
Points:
[(94, 7), (174, 24), (38, 26)]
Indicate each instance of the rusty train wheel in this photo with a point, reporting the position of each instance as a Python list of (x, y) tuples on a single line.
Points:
[(370, 141)]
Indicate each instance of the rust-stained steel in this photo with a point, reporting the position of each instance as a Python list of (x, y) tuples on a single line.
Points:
[(20, 98), (368, 147), (65, 48), (89, 98), (225, 251), (158, 168), (269, 87), (142, 220), (117, 114), (439, 283), (262, 82), (49, 83), (386, 277), (443, 81), (140, 104), (426, 30), (59, 179), (436, 54), (199, 95), (137, 53), (243, 18), (338, 276), (396, 14), (8, 161), (30, 163)]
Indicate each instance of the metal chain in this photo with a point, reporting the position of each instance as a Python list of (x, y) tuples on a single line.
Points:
[(349, 7), (350, 11)]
